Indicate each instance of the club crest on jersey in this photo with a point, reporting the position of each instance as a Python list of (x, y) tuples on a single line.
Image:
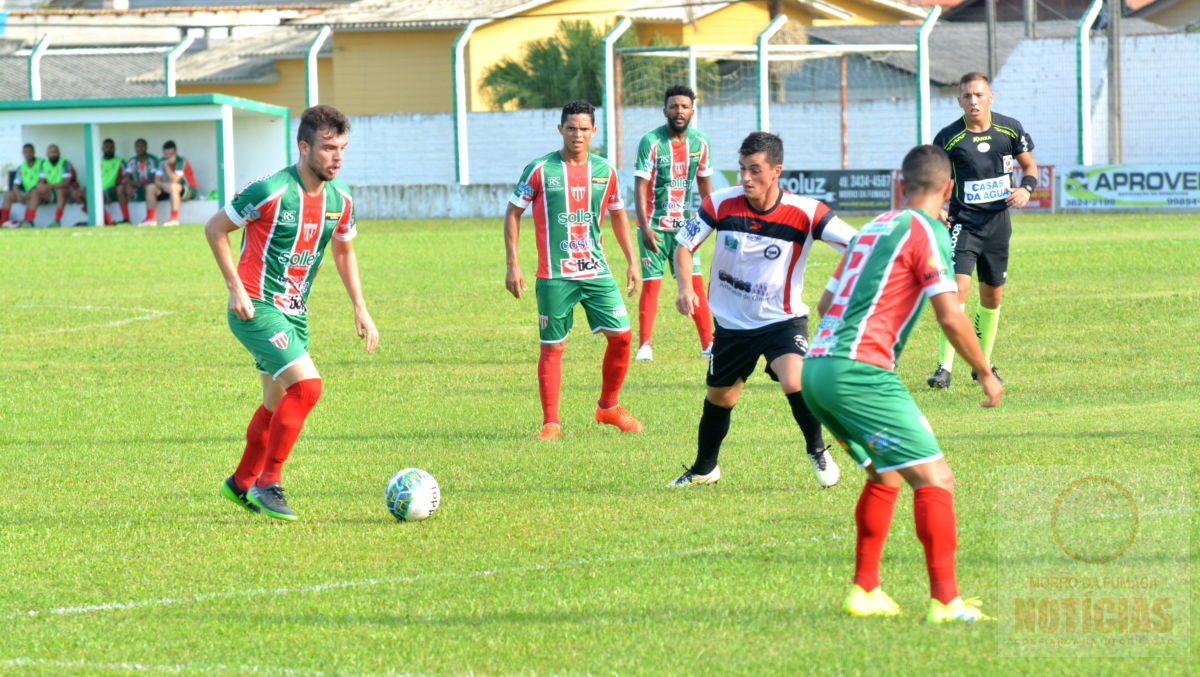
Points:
[(310, 230), (681, 167), (772, 252), (280, 340), (578, 192)]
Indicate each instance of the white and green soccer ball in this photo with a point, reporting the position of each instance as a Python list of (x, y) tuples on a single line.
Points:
[(412, 495)]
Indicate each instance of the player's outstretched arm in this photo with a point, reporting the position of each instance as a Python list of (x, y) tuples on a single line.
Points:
[(514, 281), (347, 266), (961, 334), (633, 272), (650, 239), (217, 232), (687, 299)]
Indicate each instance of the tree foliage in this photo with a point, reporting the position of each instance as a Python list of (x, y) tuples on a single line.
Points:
[(569, 66), (566, 66)]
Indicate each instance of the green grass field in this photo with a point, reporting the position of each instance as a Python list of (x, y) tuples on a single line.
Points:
[(124, 399)]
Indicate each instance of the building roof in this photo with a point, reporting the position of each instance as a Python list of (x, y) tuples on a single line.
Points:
[(955, 48), (417, 14), (81, 74), (248, 60)]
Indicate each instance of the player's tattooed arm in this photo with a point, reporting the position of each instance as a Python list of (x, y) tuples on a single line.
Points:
[(641, 189)]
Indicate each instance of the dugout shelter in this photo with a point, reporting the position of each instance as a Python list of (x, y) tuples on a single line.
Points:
[(207, 128)]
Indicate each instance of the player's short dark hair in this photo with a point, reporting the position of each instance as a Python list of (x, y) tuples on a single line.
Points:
[(168, 144), (763, 142), (321, 117), (108, 141), (926, 169), (972, 77), (578, 108), (140, 141), (29, 146), (678, 90)]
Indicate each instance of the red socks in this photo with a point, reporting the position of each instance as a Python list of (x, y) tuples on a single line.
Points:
[(255, 453), (702, 316), (647, 309), (3, 215), (285, 426), (125, 212), (174, 215), (933, 512), (58, 214), (152, 214), (616, 363), (31, 214), (873, 515), (549, 381)]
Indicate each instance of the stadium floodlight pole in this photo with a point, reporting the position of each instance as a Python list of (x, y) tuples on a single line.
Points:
[(610, 89), (35, 67), (1083, 81), (462, 163), (764, 83), (311, 75), (169, 60), (924, 127)]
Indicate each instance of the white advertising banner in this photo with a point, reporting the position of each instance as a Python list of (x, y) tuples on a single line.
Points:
[(1124, 187)]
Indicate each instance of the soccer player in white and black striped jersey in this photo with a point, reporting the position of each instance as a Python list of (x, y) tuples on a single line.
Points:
[(763, 237)]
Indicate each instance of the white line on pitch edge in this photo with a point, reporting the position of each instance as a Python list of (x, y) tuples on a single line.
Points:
[(148, 314), (367, 582)]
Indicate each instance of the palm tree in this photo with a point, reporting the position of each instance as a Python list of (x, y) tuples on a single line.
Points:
[(569, 66), (563, 67)]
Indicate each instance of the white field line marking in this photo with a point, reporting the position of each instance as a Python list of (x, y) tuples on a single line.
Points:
[(147, 314), (366, 582), (128, 666)]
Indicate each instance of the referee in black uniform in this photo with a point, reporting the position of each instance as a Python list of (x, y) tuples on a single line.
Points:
[(985, 148)]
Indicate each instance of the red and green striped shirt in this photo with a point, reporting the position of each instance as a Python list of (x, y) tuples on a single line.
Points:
[(568, 203), (880, 285), (671, 167), (286, 231)]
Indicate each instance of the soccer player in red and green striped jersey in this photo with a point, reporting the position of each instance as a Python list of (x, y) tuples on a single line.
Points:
[(569, 191), (671, 159), (288, 219), (849, 382)]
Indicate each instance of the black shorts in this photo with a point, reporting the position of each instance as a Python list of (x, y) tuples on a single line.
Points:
[(985, 245), (735, 352)]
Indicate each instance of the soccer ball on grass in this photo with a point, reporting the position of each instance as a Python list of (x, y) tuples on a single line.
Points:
[(412, 495)]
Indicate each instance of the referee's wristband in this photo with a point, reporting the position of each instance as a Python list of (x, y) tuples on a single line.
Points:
[(1028, 183)]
